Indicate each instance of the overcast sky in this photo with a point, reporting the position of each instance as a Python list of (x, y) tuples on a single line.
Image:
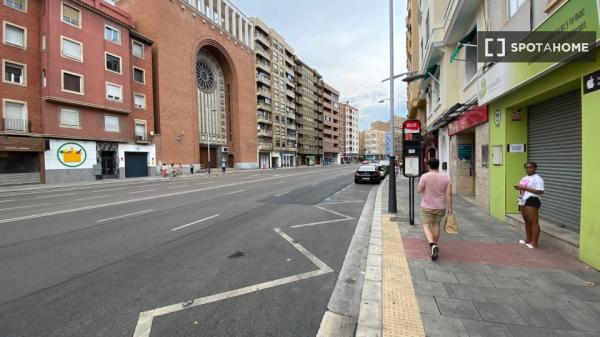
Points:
[(347, 41)]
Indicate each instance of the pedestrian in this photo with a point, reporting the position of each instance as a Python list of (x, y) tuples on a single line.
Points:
[(223, 166), (191, 168), (436, 188), (163, 169), (530, 188)]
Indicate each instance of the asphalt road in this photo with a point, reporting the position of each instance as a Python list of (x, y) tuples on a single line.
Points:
[(201, 256)]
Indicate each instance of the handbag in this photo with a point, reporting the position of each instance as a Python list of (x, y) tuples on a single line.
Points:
[(451, 225)]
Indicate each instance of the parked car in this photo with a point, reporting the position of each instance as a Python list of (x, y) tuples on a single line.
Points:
[(368, 174), (384, 168), (364, 162)]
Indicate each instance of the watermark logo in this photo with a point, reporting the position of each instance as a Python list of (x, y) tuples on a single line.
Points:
[(532, 47)]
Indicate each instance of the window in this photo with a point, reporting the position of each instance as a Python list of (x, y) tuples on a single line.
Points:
[(513, 6), (71, 49), (17, 4), (114, 92), (112, 34), (15, 116), (470, 62), (138, 75), (72, 82), (14, 73), (112, 2), (140, 130), (111, 123), (113, 63), (71, 15), (69, 118), (139, 101), (14, 35), (137, 49)]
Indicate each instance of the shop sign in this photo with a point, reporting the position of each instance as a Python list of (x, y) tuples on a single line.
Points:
[(472, 117), (411, 149), (71, 154), (504, 77), (591, 82), (517, 148)]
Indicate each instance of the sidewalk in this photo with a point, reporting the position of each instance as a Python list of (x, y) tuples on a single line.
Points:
[(484, 283)]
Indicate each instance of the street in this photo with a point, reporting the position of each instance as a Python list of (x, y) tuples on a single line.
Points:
[(251, 254)]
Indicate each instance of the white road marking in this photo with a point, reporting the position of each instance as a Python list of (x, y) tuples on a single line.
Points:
[(144, 324), (235, 192), (280, 194), (19, 207), (332, 212), (279, 182), (195, 222), (125, 215), (342, 202), (143, 191), (9, 200), (55, 195), (321, 222), (123, 202), (96, 197)]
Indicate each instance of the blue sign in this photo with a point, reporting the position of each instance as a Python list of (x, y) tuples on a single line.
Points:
[(388, 144)]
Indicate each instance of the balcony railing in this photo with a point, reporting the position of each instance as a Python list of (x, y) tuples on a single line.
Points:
[(18, 125), (265, 133), (263, 105)]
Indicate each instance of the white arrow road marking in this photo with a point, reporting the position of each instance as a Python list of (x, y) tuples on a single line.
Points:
[(321, 222), (332, 212), (195, 222), (342, 202), (144, 325), (125, 215)]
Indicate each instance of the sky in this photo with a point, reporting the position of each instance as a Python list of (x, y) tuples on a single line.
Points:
[(347, 41)]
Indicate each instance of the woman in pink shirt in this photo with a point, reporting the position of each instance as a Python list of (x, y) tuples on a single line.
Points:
[(437, 191)]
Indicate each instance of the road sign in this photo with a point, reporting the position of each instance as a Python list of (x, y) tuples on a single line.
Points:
[(411, 149), (388, 144)]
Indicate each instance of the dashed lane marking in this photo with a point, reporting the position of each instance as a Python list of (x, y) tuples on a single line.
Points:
[(235, 192), (125, 215), (54, 196), (280, 194), (195, 222)]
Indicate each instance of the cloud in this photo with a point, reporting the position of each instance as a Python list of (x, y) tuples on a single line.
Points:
[(347, 41)]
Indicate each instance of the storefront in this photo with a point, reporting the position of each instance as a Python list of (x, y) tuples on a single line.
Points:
[(551, 119), (21, 160)]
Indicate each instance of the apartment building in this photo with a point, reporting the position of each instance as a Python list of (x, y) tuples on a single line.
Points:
[(374, 144), (331, 125), (349, 133), (76, 93), (309, 98), (503, 114), (275, 97), (205, 80)]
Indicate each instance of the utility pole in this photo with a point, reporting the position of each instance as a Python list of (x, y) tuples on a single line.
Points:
[(392, 207)]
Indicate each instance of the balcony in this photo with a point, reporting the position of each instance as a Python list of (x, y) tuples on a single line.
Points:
[(265, 146), (263, 80), (264, 133), (264, 66), (15, 125), (264, 93), (290, 93), (262, 52), (260, 118), (263, 105), (263, 38), (291, 127)]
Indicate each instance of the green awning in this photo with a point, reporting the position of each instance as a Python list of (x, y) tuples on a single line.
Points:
[(465, 40), (430, 71)]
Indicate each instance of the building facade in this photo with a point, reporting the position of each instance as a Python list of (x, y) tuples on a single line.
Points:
[(74, 109), (309, 98), (205, 81), (374, 144), (502, 115), (275, 97), (331, 125), (349, 133)]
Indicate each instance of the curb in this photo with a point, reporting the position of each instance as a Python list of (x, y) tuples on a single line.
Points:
[(370, 318)]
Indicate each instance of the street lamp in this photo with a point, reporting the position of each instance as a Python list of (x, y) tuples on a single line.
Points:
[(392, 206)]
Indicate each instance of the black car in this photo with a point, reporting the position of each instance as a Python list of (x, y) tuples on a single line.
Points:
[(368, 174)]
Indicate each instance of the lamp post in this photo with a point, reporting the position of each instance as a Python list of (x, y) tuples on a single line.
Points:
[(392, 205)]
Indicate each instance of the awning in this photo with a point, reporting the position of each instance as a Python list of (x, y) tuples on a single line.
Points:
[(430, 71), (455, 111), (465, 40)]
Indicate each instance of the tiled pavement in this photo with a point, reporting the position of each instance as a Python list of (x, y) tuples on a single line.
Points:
[(486, 284)]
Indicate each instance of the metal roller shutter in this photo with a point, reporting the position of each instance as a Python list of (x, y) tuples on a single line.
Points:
[(554, 133)]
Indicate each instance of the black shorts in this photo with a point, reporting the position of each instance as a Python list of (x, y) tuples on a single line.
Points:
[(533, 202)]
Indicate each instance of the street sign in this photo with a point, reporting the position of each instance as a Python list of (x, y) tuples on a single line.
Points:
[(388, 144), (411, 149)]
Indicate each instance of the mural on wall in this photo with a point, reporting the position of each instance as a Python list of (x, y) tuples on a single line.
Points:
[(71, 154)]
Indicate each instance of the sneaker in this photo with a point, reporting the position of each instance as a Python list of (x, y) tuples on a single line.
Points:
[(434, 252), (522, 242), (530, 246)]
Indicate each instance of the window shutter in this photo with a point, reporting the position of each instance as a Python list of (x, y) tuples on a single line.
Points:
[(14, 110), (140, 129), (14, 35), (71, 13), (69, 117), (139, 101), (113, 92), (72, 49)]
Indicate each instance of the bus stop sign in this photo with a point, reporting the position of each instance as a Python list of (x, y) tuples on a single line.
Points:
[(411, 149)]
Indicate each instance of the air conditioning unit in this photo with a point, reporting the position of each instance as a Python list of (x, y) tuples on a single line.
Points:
[(225, 149)]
